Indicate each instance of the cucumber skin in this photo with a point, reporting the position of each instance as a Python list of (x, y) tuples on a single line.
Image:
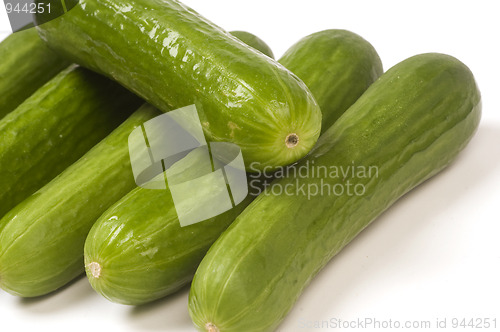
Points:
[(352, 65), (27, 63), (162, 252), (54, 127), (158, 247), (253, 41), (139, 244), (47, 232), (423, 112), (243, 96)]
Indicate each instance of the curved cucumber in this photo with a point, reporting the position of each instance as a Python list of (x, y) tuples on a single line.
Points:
[(26, 64), (41, 245), (243, 96), (160, 250), (253, 41), (409, 125), (54, 127), (350, 65)]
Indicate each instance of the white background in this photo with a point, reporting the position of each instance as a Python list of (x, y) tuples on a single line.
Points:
[(434, 255)]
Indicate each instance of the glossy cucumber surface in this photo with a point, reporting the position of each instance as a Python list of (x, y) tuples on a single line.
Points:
[(41, 245), (337, 66), (54, 127), (172, 57), (147, 241), (26, 64), (160, 251), (409, 125), (138, 252)]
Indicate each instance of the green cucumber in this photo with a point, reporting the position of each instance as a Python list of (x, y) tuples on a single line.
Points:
[(253, 41), (41, 245), (26, 64), (409, 125), (352, 65), (140, 239), (54, 127), (172, 57), (160, 250), (156, 252)]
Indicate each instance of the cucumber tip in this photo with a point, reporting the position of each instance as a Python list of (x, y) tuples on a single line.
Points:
[(292, 140), (211, 327), (95, 269)]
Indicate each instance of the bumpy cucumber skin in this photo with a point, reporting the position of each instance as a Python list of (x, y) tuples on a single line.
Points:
[(147, 242), (254, 41), (172, 57), (26, 64), (410, 123), (160, 251), (54, 127), (342, 66), (41, 246), (143, 252)]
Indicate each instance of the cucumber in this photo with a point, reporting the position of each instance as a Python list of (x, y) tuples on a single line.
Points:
[(26, 65), (409, 125), (54, 127), (160, 250), (243, 96), (351, 64), (177, 250), (253, 41), (41, 245), (139, 238)]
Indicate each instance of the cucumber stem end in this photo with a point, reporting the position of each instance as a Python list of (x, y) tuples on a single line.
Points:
[(95, 269), (292, 140), (211, 327)]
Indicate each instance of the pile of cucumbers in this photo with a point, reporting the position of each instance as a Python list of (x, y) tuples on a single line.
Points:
[(69, 203)]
